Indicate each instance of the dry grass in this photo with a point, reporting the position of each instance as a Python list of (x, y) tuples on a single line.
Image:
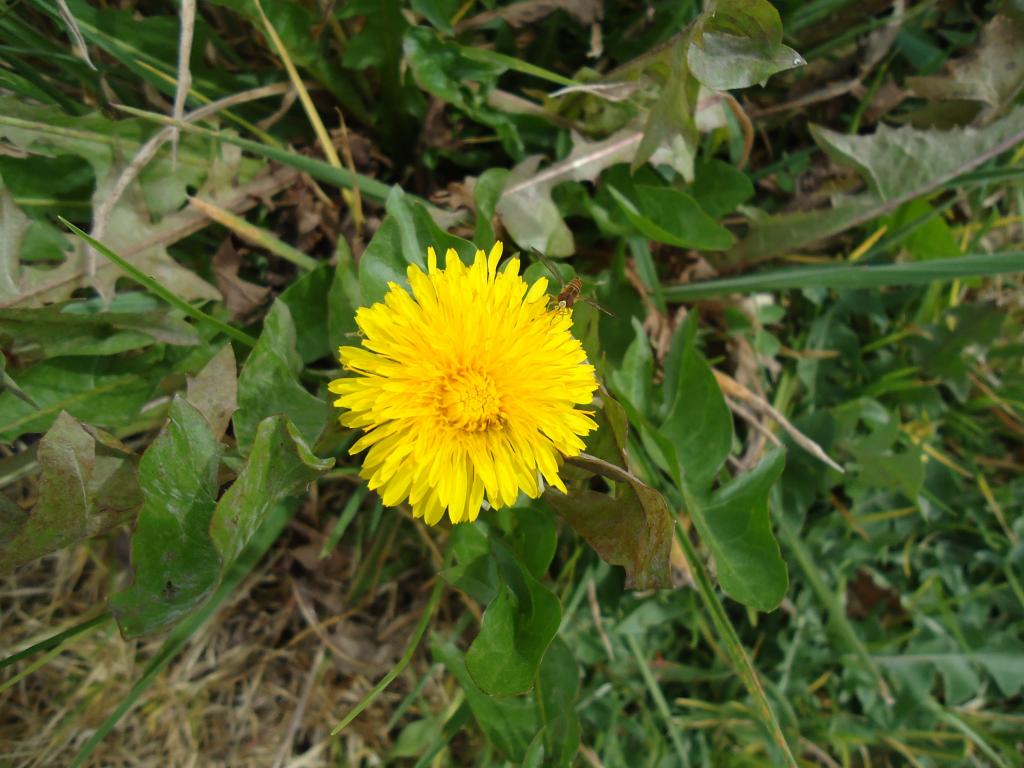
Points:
[(261, 684)]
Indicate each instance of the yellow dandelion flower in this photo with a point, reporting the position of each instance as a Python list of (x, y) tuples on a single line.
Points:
[(466, 389)]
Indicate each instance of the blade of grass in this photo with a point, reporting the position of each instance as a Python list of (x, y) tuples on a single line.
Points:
[(255, 235), (180, 635), (659, 701), (911, 273), (733, 647), (310, 109), (227, 113), (157, 289), (493, 57), (837, 614), (410, 649), (972, 735), (346, 517), (55, 640), (318, 169)]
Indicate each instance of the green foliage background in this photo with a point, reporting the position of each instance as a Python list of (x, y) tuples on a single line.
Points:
[(796, 536)]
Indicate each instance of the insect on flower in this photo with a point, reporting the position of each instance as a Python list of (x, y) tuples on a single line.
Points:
[(570, 292)]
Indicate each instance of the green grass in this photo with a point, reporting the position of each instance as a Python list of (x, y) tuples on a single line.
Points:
[(858, 297)]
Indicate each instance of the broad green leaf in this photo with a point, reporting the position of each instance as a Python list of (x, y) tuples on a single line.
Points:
[(895, 161), (154, 206), (403, 239), (735, 526), (633, 377), (738, 43), (343, 298), (443, 69), (531, 534), (280, 465), (53, 332), (898, 165), (437, 12), (558, 684), (932, 238), (307, 300), (515, 631), (475, 573), (269, 383), (87, 486), (509, 723), (384, 262), (725, 62), (672, 118), (214, 390), (419, 231), (886, 461), (174, 560), (994, 73), (756, 19), (671, 216), (719, 188), (1002, 657), (105, 391), (486, 194), (526, 207), (13, 227), (698, 424)]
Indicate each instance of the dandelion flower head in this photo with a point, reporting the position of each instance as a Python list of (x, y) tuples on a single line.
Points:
[(466, 389)]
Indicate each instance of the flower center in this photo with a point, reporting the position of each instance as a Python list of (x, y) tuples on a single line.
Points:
[(469, 401)]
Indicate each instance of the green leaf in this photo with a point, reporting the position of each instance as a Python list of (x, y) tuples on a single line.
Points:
[(419, 231), (527, 208), (385, 262), (1001, 657), (444, 69), (53, 331), (931, 237), (214, 390), (280, 465), (994, 73), (509, 723), (403, 239), (153, 206), (558, 685), (719, 188), (179, 636), (672, 118), (895, 161), (698, 424), (87, 486), (670, 216), (486, 193), (633, 377), (343, 298), (515, 631), (736, 528), (531, 534), (269, 383), (307, 300), (174, 561), (437, 12), (738, 43), (104, 391)]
